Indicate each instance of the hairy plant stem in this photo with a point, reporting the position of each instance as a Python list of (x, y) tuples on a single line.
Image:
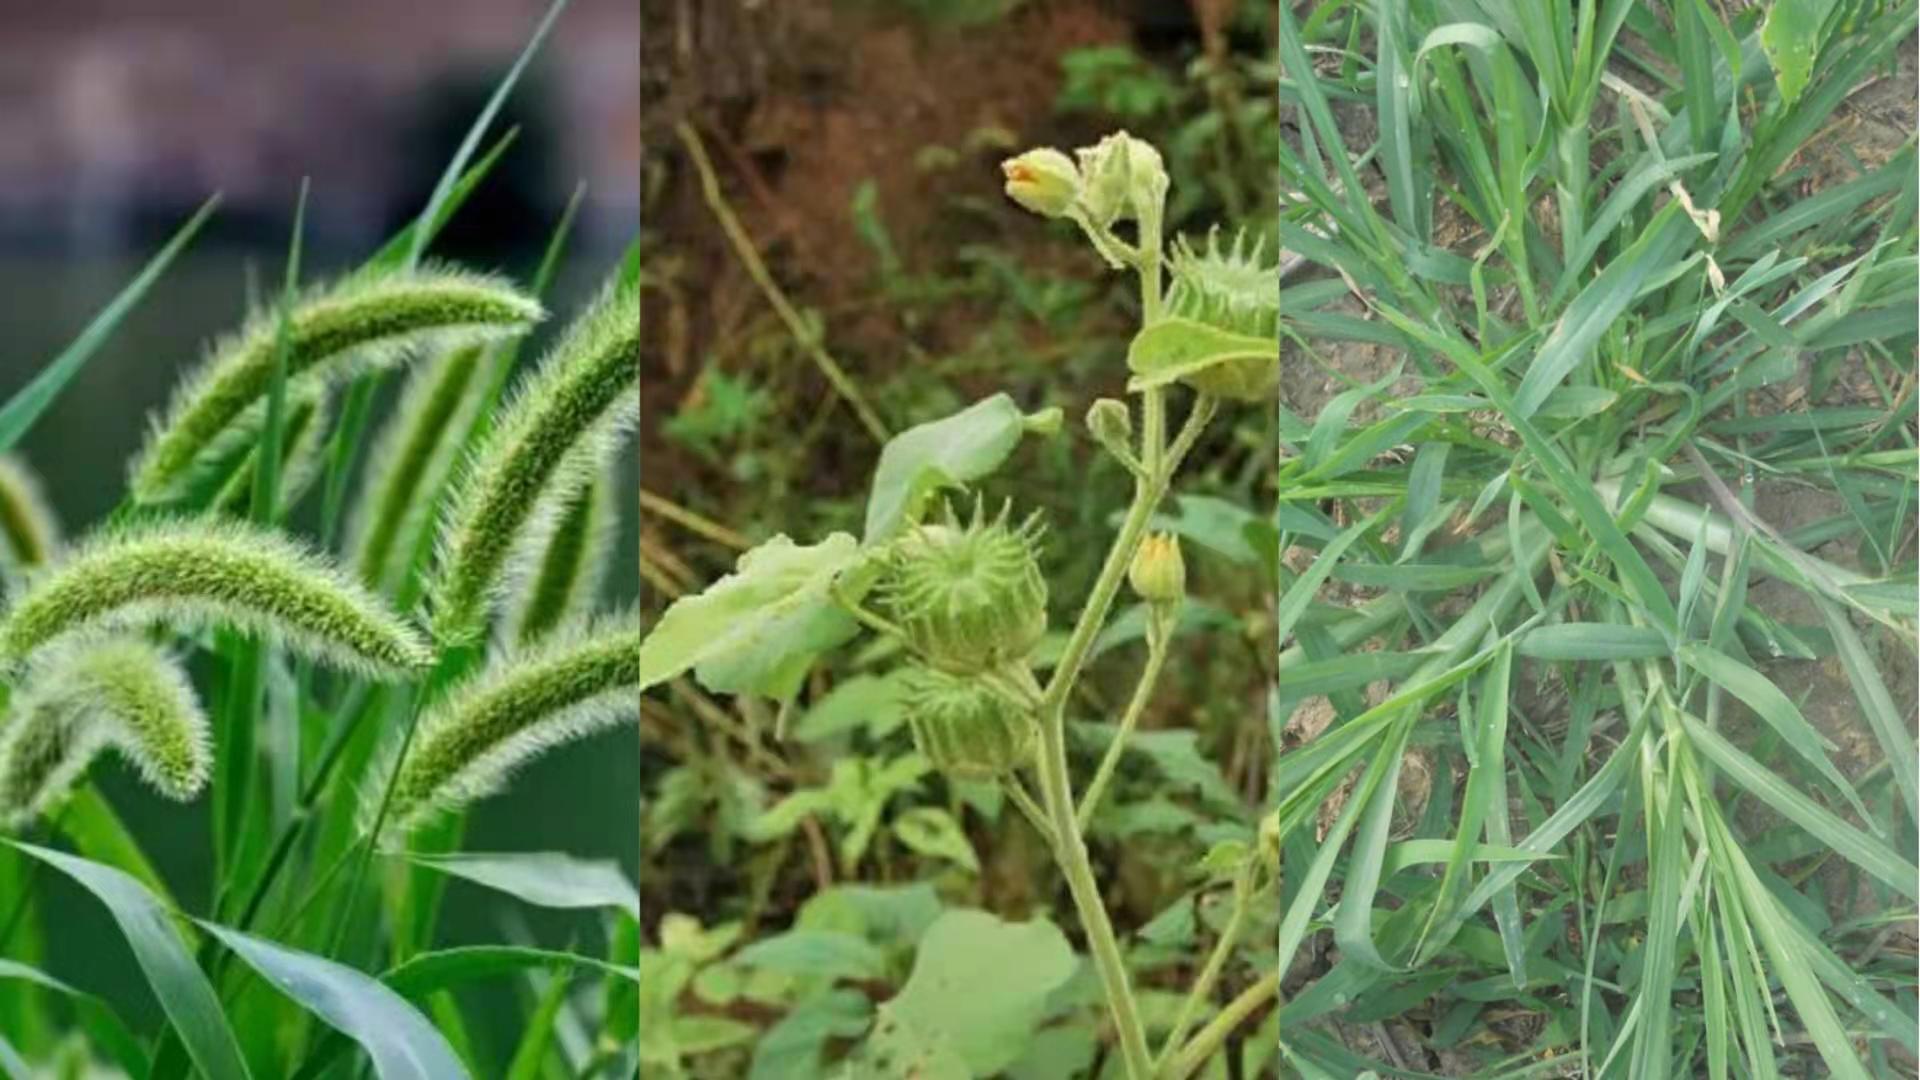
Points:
[(1157, 635), (1202, 989), (1203, 1046)]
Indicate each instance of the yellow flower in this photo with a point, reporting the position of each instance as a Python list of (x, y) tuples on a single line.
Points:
[(1044, 181)]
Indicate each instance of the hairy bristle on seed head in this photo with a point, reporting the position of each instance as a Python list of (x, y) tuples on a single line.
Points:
[(75, 700), (548, 444), (579, 679), (557, 572), (335, 332), (191, 574)]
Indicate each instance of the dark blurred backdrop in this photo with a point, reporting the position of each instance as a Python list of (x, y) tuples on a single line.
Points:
[(118, 117)]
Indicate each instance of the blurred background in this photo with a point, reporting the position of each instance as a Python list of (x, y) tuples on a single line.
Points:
[(119, 117)]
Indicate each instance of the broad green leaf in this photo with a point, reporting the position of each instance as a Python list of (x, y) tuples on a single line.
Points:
[(875, 703), (400, 1041), (759, 629), (982, 985), (791, 1049), (956, 450), (543, 878), (816, 952), (182, 989), (1791, 37), (1206, 358), (932, 831), (898, 1047)]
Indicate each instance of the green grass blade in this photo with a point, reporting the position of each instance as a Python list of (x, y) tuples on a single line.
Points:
[(183, 991), (25, 407)]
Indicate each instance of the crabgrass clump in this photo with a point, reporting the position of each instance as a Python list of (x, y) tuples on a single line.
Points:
[(29, 530), (75, 701), (576, 681), (547, 444), (335, 332), (196, 573), (1644, 288)]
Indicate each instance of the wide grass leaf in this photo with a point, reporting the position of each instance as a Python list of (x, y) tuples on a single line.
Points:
[(182, 989), (543, 878), (401, 1042), (1869, 854)]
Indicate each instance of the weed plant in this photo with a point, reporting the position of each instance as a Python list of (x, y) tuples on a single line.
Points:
[(1569, 807), (954, 741), (336, 699)]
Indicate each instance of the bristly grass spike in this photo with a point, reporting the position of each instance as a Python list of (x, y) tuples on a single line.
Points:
[(337, 331), (75, 700), (192, 574), (549, 441)]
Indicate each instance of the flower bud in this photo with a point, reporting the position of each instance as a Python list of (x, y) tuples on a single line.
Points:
[(968, 598), (1158, 573), (1112, 425), (1044, 181), (965, 729), (1123, 177)]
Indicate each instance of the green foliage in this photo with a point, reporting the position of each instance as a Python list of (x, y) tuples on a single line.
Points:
[(1624, 351), (311, 945)]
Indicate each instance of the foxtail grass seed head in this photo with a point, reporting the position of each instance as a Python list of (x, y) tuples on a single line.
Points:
[(548, 444), (336, 332), (1044, 181), (119, 693), (558, 575), (187, 575), (579, 680), (28, 526), (411, 461), (964, 728), (968, 598), (1158, 573)]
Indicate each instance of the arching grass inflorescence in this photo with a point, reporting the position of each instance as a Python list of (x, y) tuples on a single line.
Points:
[(548, 444), (192, 574), (336, 332), (76, 700), (578, 680)]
